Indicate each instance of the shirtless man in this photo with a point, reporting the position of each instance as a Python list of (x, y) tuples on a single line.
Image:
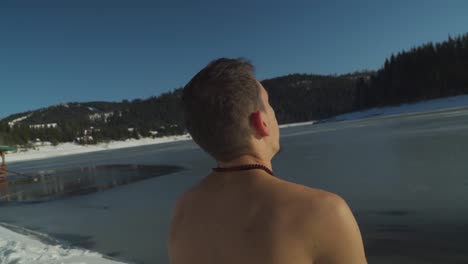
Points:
[(240, 213)]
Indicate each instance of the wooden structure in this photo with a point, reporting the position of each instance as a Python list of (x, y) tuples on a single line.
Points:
[(4, 194), (3, 151), (3, 168)]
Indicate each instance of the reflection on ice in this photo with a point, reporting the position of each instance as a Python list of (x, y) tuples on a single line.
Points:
[(52, 184)]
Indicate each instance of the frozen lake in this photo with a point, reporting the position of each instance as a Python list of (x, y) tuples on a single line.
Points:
[(404, 177)]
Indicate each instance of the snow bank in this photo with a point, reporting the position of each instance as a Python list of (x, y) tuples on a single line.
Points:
[(423, 106), (13, 122), (298, 124), (48, 151), (28, 249)]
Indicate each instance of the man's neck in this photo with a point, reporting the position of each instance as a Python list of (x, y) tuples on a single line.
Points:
[(244, 160)]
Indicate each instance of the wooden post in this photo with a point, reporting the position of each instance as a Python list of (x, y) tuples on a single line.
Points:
[(4, 193), (3, 173), (3, 170), (2, 153)]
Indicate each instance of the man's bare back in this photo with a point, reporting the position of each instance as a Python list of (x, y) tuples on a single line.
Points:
[(252, 217)]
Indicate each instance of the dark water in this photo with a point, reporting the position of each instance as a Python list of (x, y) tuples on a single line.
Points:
[(46, 185), (404, 177)]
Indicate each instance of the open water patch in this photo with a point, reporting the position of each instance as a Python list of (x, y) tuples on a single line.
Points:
[(48, 185)]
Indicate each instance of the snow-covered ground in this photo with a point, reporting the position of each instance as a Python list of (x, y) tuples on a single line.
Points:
[(423, 106), (297, 124), (28, 249), (13, 122), (47, 151)]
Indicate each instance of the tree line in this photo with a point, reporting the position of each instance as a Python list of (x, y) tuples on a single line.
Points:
[(425, 72)]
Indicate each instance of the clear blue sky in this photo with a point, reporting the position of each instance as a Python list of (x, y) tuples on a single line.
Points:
[(59, 51)]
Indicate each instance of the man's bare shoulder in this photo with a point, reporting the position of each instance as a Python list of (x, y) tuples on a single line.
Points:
[(319, 207), (177, 211), (310, 199), (304, 206), (329, 229)]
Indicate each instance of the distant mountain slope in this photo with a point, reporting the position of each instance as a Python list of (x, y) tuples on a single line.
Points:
[(303, 97), (62, 112), (91, 122)]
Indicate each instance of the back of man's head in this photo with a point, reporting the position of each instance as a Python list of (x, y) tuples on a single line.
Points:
[(218, 102)]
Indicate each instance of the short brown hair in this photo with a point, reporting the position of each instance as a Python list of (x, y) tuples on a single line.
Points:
[(218, 102)]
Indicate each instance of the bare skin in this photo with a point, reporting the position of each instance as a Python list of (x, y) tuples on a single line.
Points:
[(253, 217)]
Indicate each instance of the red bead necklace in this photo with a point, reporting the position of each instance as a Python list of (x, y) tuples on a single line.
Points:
[(245, 167)]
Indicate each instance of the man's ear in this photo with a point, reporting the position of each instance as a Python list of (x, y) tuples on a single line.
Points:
[(258, 123)]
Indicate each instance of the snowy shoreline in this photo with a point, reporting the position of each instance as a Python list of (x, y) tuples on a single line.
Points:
[(16, 247), (63, 149), (446, 103)]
